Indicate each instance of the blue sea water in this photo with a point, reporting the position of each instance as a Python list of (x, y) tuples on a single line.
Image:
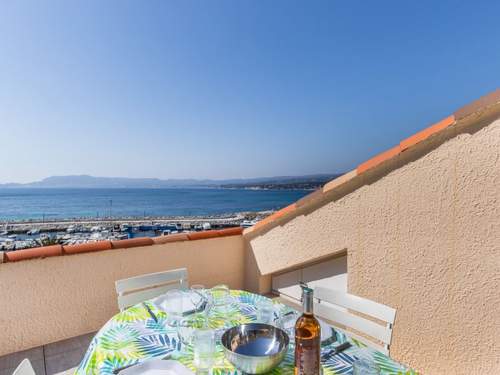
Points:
[(28, 203)]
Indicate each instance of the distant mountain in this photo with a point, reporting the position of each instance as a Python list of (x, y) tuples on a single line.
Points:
[(86, 181)]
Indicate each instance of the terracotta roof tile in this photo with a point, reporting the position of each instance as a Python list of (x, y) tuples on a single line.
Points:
[(203, 235), (276, 215), (309, 198), (86, 247), (132, 242), (379, 159), (340, 180), (478, 105), (198, 235), (426, 133), (37, 252), (230, 231), (171, 238)]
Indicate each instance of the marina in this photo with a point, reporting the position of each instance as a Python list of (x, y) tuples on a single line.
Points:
[(31, 217), (24, 235)]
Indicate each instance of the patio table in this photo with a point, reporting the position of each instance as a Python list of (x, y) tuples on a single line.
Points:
[(133, 335)]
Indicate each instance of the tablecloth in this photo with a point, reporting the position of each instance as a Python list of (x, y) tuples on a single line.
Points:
[(133, 335)]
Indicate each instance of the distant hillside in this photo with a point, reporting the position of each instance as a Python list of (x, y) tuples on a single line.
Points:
[(286, 183), (89, 182)]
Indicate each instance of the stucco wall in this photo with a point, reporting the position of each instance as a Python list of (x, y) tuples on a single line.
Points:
[(47, 300), (425, 239), (254, 281)]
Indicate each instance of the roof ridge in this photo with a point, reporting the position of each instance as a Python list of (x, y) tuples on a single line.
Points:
[(477, 107)]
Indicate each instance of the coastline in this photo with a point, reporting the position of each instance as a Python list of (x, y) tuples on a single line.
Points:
[(25, 234), (40, 206), (231, 219), (43, 217)]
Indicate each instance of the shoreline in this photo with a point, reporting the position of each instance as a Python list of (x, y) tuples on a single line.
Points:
[(48, 225), (21, 235)]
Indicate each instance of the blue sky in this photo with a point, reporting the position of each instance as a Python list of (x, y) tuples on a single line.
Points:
[(220, 89)]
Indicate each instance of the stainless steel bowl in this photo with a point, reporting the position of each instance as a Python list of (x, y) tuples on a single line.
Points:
[(255, 348)]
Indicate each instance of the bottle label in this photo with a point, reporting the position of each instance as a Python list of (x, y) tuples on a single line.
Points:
[(307, 356)]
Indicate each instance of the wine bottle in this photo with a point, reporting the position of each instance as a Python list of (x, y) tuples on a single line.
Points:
[(307, 338)]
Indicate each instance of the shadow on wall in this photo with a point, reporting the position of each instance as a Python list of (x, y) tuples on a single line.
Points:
[(330, 273)]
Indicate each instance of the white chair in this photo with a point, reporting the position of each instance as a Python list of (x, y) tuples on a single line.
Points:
[(141, 288), (338, 307), (24, 368)]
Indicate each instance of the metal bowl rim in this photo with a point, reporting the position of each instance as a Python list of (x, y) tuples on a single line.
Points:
[(284, 349)]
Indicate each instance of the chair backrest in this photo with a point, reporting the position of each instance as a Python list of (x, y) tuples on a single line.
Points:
[(141, 288), (340, 308), (24, 368)]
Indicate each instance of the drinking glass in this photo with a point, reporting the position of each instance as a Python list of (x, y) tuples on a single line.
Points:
[(365, 367), (173, 307), (287, 322), (202, 303), (198, 295), (220, 294), (185, 331), (220, 304), (265, 311), (204, 349)]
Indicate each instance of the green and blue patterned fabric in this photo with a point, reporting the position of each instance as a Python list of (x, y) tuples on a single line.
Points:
[(133, 335)]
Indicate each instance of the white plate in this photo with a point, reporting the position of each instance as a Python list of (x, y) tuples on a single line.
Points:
[(158, 366), (161, 302)]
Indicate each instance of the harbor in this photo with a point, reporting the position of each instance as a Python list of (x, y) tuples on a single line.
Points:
[(31, 217), (19, 235)]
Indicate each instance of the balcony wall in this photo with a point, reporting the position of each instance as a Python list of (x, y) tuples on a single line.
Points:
[(47, 300), (422, 234)]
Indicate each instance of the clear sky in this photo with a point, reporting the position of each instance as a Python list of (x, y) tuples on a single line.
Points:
[(222, 89)]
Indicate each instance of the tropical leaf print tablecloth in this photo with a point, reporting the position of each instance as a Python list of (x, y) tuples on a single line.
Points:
[(132, 336)]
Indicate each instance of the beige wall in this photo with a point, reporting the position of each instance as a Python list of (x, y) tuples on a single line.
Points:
[(425, 239), (46, 300), (254, 282)]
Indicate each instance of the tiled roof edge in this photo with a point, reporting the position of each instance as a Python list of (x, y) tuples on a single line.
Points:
[(55, 250), (477, 107)]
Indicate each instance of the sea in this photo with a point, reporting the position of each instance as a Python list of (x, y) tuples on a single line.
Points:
[(53, 204)]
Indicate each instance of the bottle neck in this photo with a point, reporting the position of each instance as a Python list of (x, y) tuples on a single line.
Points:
[(307, 302)]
